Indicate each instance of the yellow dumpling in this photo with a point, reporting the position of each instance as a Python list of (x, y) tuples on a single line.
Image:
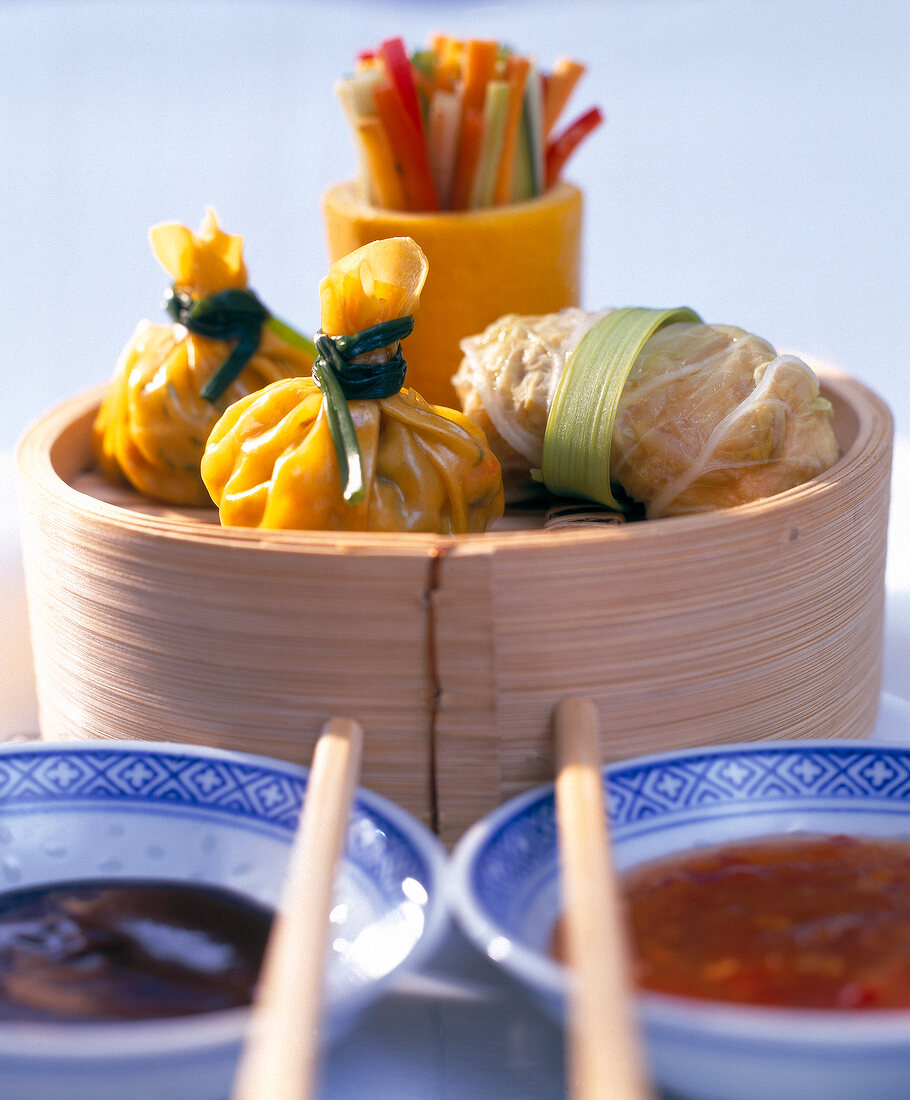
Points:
[(271, 461), (154, 420)]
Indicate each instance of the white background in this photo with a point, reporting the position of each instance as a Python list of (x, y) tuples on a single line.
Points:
[(754, 164)]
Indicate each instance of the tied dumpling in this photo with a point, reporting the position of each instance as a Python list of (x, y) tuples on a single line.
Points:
[(155, 419), (709, 415), (274, 460)]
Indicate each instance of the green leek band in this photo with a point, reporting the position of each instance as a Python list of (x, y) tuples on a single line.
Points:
[(579, 432)]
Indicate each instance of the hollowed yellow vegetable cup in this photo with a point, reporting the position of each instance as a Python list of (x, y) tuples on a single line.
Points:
[(521, 258)]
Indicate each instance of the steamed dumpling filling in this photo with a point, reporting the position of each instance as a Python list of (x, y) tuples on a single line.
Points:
[(710, 416)]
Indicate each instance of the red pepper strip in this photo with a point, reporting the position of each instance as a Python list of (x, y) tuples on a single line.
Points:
[(395, 56), (409, 150), (544, 87), (562, 147)]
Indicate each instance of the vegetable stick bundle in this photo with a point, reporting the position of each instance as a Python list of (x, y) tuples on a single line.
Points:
[(460, 125)]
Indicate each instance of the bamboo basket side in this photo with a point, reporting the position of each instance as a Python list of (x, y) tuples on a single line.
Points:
[(759, 621), (763, 621), (144, 628)]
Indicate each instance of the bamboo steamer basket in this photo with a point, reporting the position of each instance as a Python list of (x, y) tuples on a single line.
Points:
[(761, 621)]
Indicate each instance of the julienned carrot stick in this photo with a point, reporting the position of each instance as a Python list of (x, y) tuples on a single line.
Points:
[(409, 149), (380, 160), (468, 155), (559, 86), (478, 61), (477, 66), (448, 61), (443, 46), (561, 148), (517, 75)]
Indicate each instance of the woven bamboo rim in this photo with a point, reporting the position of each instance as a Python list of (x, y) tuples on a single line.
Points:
[(758, 621)]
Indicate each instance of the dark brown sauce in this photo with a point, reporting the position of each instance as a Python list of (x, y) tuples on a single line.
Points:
[(126, 949), (796, 921)]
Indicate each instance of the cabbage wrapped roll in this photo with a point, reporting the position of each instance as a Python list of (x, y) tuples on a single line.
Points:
[(169, 388), (709, 415), (280, 458)]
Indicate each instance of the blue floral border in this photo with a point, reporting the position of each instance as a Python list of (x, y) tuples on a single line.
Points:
[(700, 781), (522, 847), (253, 793)]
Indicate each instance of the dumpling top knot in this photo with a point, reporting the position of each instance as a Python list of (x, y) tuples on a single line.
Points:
[(201, 263)]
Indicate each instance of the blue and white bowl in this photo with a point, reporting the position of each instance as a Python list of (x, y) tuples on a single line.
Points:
[(503, 885), (176, 812)]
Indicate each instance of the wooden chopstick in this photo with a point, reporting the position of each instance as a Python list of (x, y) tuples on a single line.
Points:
[(279, 1059), (603, 1047)]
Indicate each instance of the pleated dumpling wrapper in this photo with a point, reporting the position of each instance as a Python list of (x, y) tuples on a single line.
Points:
[(174, 381), (704, 416), (350, 449)]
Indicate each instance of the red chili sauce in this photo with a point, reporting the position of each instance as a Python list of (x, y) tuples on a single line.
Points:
[(797, 921), (127, 949)]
